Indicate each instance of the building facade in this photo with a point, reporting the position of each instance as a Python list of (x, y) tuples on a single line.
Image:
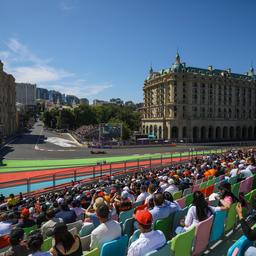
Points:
[(7, 103), (42, 94), (26, 94), (195, 104)]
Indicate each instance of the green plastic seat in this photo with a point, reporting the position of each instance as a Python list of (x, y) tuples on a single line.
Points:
[(189, 199), (177, 195), (203, 185), (94, 252), (181, 245), (166, 250), (210, 182), (235, 189), (233, 180), (29, 229), (165, 225), (47, 245), (231, 218)]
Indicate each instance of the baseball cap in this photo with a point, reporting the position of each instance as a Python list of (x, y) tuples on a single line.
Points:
[(124, 194), (143, 217), (25, 212), (98, 202)]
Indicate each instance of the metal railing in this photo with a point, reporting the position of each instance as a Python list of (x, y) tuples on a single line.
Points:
[(94, 172)]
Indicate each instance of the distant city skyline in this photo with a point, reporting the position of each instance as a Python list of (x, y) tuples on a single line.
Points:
[(103, 50)]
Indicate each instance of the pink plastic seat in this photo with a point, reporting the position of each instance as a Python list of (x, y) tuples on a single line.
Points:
[(195, 187), (243, 186), (181, 202), (202, 236)]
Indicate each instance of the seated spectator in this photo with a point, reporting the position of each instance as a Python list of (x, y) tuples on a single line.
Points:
[(164, 183), (12, 218), (91, 210), (199, 211), (161, 208), (130, 194), (18, 245), (227, 198), (169, 201), (151, 191), (42, 216), (65, 242), (248, 232), (172, 187), (143, 194), (108, 229), (26, 222), (5, 226), (76, 207), (149, 239), (50, 223), (122, 203), (66, 214), (12, 201), (245, 172), (35, 242)]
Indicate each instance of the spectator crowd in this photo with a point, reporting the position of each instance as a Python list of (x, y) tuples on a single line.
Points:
[(98, 207)]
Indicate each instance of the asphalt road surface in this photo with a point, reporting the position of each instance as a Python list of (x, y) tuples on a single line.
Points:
[(42, 144)]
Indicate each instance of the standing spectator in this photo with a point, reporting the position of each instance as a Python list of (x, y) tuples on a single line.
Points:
[(149, 239)]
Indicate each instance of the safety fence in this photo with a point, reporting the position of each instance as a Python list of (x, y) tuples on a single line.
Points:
[(103, 169)]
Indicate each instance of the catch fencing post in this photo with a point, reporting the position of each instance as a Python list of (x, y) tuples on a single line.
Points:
[(150, 162), (75, 175), (161, 160), (28, 185), (110, 169), (180, 156), (53, 180), (101, 170), (125, 166), (138, 163), (93, 171)]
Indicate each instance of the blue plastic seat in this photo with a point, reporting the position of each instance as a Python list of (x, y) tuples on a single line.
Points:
[(128, 227), (218, 225), (123, 216), (239, 247), (117, 247)]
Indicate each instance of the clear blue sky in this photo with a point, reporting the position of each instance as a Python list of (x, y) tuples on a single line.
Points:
[(103, 49)]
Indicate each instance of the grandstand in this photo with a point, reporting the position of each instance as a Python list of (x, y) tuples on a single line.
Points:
[(102, 134), (203, 174)]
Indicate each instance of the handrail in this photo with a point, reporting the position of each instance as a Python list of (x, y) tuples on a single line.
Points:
[(107, 169)]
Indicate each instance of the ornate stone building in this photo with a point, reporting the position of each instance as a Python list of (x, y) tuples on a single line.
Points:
[(7, 103), (195, 104)]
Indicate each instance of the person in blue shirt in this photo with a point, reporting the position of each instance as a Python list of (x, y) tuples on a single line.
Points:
[(162, 208), (66, 214)]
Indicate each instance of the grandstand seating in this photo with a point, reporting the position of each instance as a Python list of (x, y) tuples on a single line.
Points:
[(194, 240), (239, 247), (117, 246)]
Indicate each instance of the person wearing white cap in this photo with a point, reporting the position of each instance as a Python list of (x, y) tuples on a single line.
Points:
[(164, 184), (172, 187), (245, 172), (130, 196)]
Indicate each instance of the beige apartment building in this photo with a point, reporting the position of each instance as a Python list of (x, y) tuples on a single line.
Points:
[(7, 103), (195, 104)]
